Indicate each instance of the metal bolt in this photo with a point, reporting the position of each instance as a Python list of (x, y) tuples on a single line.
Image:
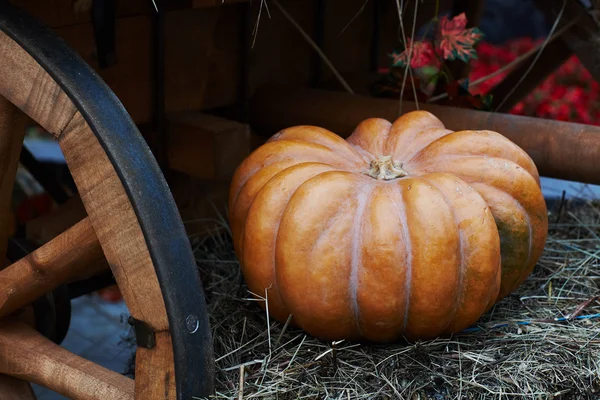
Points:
[(191, 323)]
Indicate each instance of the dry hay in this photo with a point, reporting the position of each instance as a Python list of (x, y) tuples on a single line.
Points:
[(518, 349)]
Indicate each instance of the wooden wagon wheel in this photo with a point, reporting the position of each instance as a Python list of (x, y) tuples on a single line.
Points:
[(132, 221)]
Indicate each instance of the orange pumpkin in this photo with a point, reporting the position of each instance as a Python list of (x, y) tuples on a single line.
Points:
[(404, 229)]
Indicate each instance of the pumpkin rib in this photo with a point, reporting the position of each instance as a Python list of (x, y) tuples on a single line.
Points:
[(515, 182), (264, 174), (486, 144), (281, 150), (331, 221), (434, 273), (362, 137), (461, 246), (383, 267), (479, 279), (409, 251), (279, 185), (518, 205), (308, 258), (407, 127), (405, 157), (363, 197), (240, 213), (317, 135)]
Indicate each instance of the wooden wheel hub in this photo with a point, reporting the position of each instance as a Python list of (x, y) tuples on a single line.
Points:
[(131, 225)]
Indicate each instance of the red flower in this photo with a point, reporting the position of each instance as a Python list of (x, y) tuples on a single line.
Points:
[(421, 54), (455, 41)]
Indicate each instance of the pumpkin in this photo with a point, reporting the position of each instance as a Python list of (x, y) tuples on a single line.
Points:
[(401, 230)]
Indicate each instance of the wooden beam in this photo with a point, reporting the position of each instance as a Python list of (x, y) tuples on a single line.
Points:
[(205, 146), (27, 355), (560, 149)]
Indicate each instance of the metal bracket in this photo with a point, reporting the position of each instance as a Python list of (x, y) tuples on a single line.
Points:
[(144, 334)]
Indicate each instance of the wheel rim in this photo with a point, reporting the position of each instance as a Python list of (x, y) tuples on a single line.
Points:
[(99, 118)]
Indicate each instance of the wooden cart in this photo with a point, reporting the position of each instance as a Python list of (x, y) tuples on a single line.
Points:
[(132, 223)]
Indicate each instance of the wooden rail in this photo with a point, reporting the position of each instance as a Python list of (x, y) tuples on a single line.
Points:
[(559, 149)]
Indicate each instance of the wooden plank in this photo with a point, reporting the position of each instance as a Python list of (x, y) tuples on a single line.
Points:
[(559, 149), (202, 58), (280, 55), (27, 355), (206, 146), (12, 131), (25, 84), (60, 13), (348, 30), (68, 257), (131, 77)]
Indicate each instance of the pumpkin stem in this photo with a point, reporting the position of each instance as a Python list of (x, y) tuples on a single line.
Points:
[(383, 167)]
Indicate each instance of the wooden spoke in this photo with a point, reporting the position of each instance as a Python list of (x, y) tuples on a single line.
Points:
[(122, 240), (25, 84), (67, 257), (15, 389), (12, 132), (27, 355)]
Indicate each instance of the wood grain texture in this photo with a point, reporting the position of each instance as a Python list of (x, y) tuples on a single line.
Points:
[(27, 355), (65, 258), (347, 39), (114, 222), (155, 370), (12, 132), (206, 146), (15, 389), (209, 75), (29, 87), (131, 77), (124, 246)]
